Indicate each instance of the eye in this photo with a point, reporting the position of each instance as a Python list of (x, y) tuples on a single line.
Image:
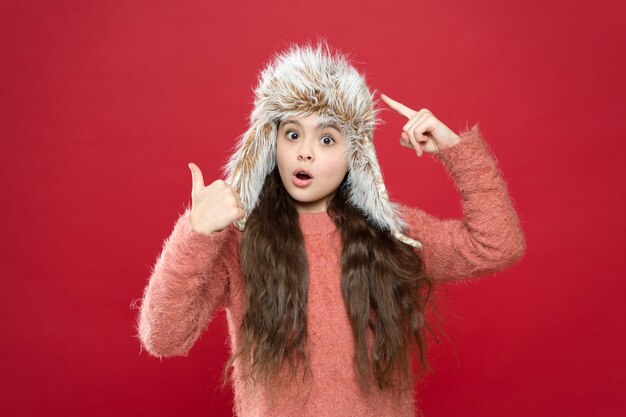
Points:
[(326, 139)]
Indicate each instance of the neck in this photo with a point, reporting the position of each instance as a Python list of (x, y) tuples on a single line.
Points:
[(316, 223)]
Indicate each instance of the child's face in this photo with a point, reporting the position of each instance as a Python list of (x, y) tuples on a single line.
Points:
[(302, 143)]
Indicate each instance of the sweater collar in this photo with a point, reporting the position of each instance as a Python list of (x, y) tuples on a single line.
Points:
[(316, 223)]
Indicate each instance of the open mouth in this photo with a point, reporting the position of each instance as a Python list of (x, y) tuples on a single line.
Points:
[(303, 176), (302, 173)]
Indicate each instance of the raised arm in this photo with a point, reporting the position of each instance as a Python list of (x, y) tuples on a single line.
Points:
[(188, 284), (489, 238)]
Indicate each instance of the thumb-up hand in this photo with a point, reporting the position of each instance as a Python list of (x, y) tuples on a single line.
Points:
[(213, 207)]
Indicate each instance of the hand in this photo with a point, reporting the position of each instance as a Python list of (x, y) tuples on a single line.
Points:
[(212, 207), (423, 132)]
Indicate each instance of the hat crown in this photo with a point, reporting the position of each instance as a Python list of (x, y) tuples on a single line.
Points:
[(307, 79)]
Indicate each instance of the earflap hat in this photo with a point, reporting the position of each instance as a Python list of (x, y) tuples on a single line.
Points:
[(298, 82)]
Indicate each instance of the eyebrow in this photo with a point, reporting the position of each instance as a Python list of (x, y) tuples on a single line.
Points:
[(321, 125)]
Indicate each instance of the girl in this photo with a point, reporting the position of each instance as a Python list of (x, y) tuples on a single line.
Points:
[(325, 282)]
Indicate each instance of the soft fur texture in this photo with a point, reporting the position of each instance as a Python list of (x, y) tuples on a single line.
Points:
[(197, 274), (299, 82)]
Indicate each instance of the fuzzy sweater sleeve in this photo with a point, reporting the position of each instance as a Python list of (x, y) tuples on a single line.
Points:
[(489, 238), (188, 284)]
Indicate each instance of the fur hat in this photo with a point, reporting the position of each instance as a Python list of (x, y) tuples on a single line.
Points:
[(298, 82)]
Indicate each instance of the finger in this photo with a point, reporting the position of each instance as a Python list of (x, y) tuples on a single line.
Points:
[(431, 144), (412, 141), (419, 130), (239, 203), (399, 107), (424, 123), (410, 125), (404, 140), (235, 194), (426, 127), (196, 177), (422, 131), (409, 128)]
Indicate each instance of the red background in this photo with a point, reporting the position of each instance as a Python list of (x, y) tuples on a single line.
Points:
[(103, 104)]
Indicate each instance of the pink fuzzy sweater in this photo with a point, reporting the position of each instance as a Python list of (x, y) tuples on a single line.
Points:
[(197, 274)]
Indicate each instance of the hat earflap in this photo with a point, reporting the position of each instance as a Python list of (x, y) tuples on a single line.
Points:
[(368, 193), (249, 165)]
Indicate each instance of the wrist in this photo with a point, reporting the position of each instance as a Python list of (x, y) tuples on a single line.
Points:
[(455, 141)]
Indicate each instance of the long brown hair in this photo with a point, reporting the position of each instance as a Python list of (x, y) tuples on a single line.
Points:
[(383, 283)]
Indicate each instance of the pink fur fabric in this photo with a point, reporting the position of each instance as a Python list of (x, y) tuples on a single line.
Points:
[(197, 274)]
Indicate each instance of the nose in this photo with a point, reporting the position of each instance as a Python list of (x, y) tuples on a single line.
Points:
[(305, 153), (304, 156)]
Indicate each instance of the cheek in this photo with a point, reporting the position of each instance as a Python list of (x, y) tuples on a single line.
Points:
[(280, 155), (336, 166), (284, 169)]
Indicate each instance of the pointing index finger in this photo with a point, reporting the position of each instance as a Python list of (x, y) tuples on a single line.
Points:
[(399, 107)]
